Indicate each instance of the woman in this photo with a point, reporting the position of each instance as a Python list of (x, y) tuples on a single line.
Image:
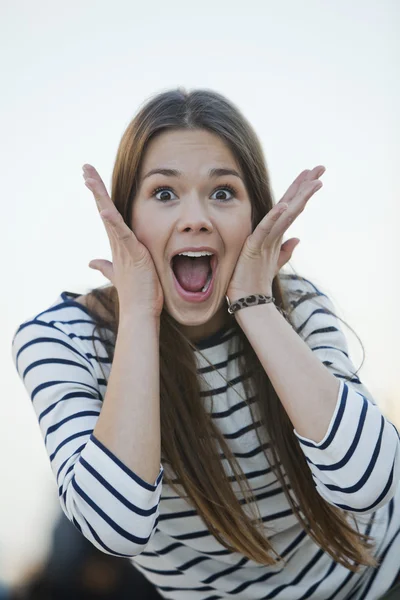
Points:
[(201, 414)]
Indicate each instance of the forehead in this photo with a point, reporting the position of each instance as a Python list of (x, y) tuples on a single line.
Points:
[(190, 147)]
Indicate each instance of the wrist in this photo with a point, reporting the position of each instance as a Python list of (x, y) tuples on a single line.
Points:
[(250, 314), (136, 318), (238, 301), (235, 296)]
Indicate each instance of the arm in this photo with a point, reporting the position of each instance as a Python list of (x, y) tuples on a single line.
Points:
[(129, 422), (307, 390), (352, 450), (100, 492)]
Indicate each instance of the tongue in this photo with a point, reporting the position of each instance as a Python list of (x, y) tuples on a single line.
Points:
[(191, 272)]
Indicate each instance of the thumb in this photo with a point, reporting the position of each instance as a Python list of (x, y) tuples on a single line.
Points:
[(286, 252), (289, 246), (104, 266)]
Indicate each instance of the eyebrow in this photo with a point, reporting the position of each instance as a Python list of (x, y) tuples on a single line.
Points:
[(216, 172)]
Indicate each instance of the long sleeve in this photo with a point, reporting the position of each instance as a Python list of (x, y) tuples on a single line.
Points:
[(356, 465), (114, 508)]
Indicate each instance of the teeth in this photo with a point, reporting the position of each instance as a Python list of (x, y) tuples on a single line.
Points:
[(205, 253), (207, 283)]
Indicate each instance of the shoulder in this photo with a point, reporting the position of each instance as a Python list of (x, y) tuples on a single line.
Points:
[(59, 330), (297, 289), (62, 317), (305, 299), (93, 305)]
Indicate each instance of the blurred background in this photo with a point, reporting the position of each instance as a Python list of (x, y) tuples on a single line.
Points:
[(320, 84)]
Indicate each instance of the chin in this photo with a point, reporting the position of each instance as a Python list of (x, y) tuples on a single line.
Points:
[(188, 317)]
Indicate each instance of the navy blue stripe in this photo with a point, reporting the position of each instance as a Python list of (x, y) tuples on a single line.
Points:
[(227, 413), (220, 365), (350, 452), (313, 348), (75, 522), (165, 550), (117, 528), (330, 329), (68, 396), (194, 535), (336, 424), (47, 384), (68, 459), (381, 559), (180, 569), (372, 506), (133, 507), (253, 474), (314, 312), (265, 576), (223, 388), (52, 340), (253, 452), (361, 482), (132, 475), (308, 593), (297, 579), (227, 571), (103, 545), (67, 440), (242, 431), (54, 361), (84, 413)]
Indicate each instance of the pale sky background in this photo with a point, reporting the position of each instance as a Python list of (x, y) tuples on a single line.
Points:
[(319, 81)]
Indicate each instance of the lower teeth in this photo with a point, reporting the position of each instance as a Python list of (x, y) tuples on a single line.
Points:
[(207, 283)]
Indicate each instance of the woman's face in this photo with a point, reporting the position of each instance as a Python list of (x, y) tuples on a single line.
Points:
[(192, 210)]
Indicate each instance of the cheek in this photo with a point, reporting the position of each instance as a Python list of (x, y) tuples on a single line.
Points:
[(152, 236), (145, 227), (236, 235), (234, 239)]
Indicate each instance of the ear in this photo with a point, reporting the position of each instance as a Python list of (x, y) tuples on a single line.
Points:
[(286, 252)]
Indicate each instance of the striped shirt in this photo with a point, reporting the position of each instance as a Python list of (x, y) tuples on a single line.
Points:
[(355, 467)]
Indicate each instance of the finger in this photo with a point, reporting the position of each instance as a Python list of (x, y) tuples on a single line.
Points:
[(273, 225), (119, 229), (105, 267), (286, 252), (304, 177), (266, 225), (277, 227), (94, 182), (280, 217), (112, 218)]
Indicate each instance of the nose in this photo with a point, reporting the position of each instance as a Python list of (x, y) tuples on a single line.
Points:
[(194, 216)]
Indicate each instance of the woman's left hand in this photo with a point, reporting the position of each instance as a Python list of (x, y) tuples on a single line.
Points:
[(263, 254)]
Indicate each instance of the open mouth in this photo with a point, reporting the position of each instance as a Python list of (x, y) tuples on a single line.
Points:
[(194, 276)]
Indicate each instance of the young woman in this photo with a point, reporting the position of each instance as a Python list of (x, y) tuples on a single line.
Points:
[(202, 415)]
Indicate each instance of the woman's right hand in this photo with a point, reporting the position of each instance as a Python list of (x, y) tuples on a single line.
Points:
[(132, 271)]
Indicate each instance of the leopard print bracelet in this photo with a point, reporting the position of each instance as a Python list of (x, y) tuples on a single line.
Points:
[(252, 300)]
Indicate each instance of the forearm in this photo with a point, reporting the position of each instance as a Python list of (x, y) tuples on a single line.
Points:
[(129, 422), (307, 390)]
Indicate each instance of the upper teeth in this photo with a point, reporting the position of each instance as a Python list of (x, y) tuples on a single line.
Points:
[(195, 253)]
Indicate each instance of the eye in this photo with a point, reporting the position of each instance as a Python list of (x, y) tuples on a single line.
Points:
[(230, 189), (168, 190)]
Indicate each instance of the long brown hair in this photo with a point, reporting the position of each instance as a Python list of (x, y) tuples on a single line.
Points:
[(190, 441)]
